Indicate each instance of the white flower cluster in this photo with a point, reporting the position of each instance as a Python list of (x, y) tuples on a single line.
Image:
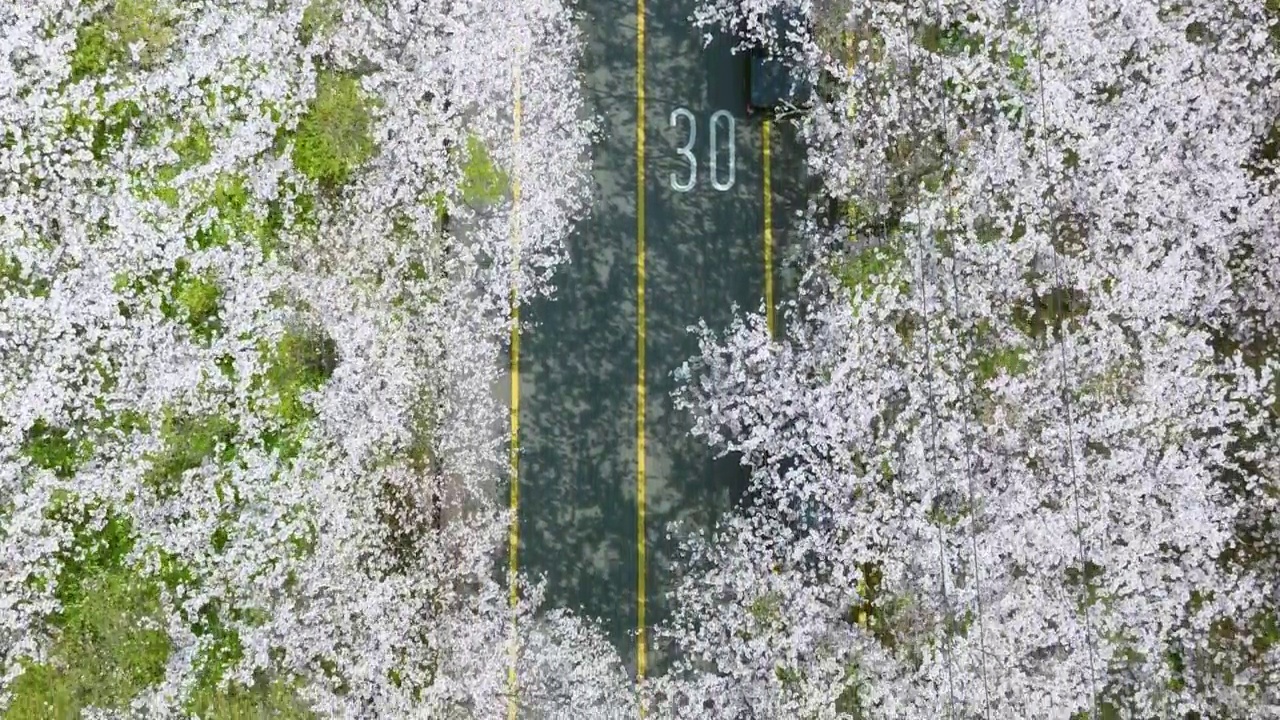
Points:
[(255, 265), (1016, 455)]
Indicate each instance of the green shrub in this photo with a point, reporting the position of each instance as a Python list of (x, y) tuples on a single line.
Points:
[(333, 135), (1044, 315), (13, 280), (995, 361), (765, 609), (303, 360), (111, 644), (104, 42), (194, 148), (107, 133), (266, 700), (187, 297), (269, 697)]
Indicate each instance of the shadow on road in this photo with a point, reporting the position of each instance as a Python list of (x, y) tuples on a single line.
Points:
[(705, 253)]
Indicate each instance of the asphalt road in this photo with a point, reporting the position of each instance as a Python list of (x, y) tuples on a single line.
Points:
[(703, 245)]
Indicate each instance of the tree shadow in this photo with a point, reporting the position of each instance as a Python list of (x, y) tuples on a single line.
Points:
[(704, 255)]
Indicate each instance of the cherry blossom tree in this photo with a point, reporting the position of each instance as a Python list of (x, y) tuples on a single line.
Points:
[(255, 267), (1015, 455)]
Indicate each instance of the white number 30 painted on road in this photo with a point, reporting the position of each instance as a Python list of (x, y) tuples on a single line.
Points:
[(686, 152)]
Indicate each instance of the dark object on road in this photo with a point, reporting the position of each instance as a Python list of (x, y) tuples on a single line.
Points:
[(773, 83)]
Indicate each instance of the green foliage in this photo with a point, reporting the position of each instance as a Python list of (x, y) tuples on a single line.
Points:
[(303, 360), (320, 17), (954, 39), (265, 700), (439, 203), (483, 182), (269, 697), (10, 272), (790, 678), (50, 448), (236, 219), (765, 609), (13, 280), (92, 552), (1045, 314), (194, 148), (188, 441), (862, 271), (198, 297), (1273, 9), (848, 703), (108, 132), (879, 612), (111, 647), (995, 361), (104, 42), (333, 135), (109, 644), (187, 297)]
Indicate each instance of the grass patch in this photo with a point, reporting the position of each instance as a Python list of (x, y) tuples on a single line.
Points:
[(1044, 316), (111, 647), (333, 136), (104, 42), (993, 358), (188, 297), (483, 182), (848, 702), (236, 219), (211, 698), (998, 361), (303, 360), (194, 148), (765, 609), (266, 699)]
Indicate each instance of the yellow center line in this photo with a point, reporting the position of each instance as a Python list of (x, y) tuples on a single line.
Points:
[(768, 230), (641, 560), (513, 531)]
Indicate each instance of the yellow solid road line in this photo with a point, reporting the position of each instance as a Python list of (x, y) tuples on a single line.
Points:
[(641, 559), (513, 532), (768, 232)]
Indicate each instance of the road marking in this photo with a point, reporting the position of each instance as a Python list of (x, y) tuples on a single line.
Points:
[(513, 532), (768, 230), (641, 559)]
